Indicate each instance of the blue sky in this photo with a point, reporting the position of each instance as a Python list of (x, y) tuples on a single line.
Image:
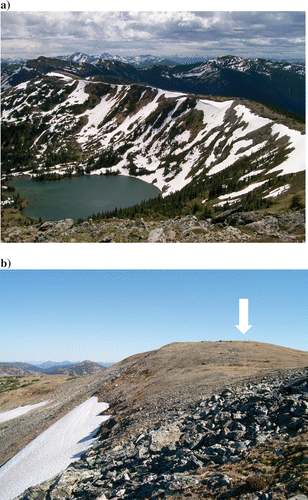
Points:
[(266, 34), (109, 315)]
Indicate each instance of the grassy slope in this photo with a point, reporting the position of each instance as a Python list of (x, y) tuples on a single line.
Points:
[(27, 390), (181, 373)]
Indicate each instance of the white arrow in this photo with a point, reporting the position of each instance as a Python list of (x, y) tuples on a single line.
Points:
[(243, 316)]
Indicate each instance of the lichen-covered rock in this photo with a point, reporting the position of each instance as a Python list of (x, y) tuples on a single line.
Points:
[(157, 236), (231, 226), (186, 455), (164, 437)]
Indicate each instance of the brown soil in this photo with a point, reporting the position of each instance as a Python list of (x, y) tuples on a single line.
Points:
[(197, 366), (139, 387), (39, 389)]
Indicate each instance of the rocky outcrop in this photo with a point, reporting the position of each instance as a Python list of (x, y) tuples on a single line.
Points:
[(240, 443), (279, 226), (230, 226)]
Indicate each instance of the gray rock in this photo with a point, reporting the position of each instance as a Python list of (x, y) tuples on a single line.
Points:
[(167, 456), (224, 216), (107, 239), (232, 232), (268, 225), (192, 218), (220, 481), (46, 226), (171, 234), (298, 497), (157, 236), (182, 481), (140, 224), (55, 228), (164, 437), (243, 218)]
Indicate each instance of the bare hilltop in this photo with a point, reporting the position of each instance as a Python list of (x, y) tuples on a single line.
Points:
[(189, 420)]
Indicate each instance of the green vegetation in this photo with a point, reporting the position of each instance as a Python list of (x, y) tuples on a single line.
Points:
[(296, 202), (126, 105), (286, 114), (187, 201), (190, 200), (31, 144), (57, 97), (106, 159), (10, 383), (16, 143)]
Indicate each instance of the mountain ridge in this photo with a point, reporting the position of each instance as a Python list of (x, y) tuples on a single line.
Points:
[(173, 409), (178, 133), (50, 364), (63, 119), (73, 369), (277, 83)]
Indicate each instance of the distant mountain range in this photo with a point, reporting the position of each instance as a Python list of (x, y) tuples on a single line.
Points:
[(50, 364), (139, 61), (280, 84), (142, 61), (52, 368)]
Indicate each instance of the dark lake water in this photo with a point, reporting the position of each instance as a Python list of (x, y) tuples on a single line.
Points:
[(80, 197)]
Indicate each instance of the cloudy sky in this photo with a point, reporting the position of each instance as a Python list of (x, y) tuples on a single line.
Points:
[(203, 34)]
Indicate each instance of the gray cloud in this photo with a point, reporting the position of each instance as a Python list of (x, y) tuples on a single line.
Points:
[(255, 34)]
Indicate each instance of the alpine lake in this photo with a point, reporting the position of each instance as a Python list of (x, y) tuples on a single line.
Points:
[(80, 197)]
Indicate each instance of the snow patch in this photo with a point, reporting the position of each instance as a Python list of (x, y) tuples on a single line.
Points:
[(244, 143), (78, 96), (53, 450), (242, 191), (22, 86), (184, 137), (254, 121), (232, 158), (278, 191), (217, 104), (251, 174), (230, 202), (17, 412), (296, 161), (59, 75)]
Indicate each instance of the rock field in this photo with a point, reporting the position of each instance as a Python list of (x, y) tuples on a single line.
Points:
[(231, 226), (247, 442)]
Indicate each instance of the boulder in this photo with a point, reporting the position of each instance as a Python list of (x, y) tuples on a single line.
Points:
[(157, 236), (268, 225), (299, 497), (46, 226), (107, 239), (58, 227), (224, 216), (164, 436), (242, 218), (140, 225)]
